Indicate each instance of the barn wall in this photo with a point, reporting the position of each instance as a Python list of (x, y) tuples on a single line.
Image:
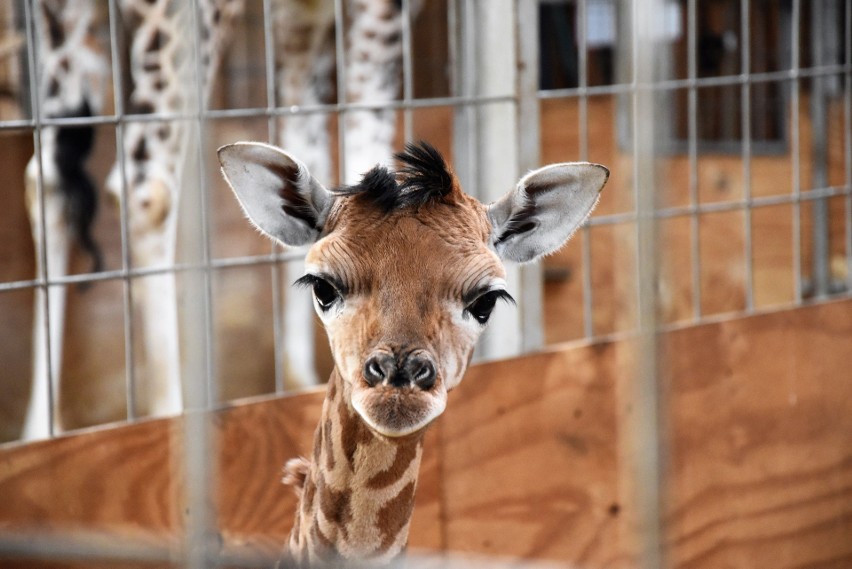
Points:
[(529, 460)]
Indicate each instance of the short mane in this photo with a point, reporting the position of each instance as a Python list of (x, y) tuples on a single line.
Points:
[(423, 178)]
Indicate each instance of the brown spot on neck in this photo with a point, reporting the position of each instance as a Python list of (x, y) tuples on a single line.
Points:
[(353, 431), (394, 516), (332, 506), (405, 453), (335, 505), (329, 444)]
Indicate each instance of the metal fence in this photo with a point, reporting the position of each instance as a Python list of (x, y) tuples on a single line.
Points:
[(653, 85)]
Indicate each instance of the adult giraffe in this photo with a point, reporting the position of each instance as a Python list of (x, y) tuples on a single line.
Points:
[(72, 71), (405, 270)]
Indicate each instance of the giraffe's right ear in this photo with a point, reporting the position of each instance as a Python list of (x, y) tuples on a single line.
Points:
[(276, 191)]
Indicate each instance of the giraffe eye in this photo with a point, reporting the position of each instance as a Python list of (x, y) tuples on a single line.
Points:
[(325, 293), (482, 307)]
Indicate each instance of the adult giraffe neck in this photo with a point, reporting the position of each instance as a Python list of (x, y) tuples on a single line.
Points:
[(358, 492)]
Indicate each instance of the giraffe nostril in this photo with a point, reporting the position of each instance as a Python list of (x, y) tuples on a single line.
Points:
[(378, 368), (422, 371), (374, 370), (417, 370)]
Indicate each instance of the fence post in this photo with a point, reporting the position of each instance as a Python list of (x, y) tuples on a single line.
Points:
[(486, 134)]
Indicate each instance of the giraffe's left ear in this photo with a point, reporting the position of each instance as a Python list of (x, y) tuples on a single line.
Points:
[(544, 209), (277, 192)]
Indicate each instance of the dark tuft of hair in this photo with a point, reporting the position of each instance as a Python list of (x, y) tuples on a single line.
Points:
[(423, 178), (378, 186), (424, 174)]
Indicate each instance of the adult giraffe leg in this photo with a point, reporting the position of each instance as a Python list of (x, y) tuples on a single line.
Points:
[(52, 250), (61, 197), (162, 57)]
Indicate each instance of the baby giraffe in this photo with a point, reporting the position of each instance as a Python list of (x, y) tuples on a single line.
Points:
[(405, 270)]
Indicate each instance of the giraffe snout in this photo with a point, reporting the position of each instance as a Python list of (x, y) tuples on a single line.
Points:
[(414, 369)]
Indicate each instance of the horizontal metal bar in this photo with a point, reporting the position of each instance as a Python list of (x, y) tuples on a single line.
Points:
[(698, 82), (105, 548), (215, 264), (89, 546), (717, 207), (259, 112), (153, 549), (715, 318), (266, 112)]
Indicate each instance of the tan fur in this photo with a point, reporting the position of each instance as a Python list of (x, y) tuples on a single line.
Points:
[(405, 272), (295, 472), (358, 492)]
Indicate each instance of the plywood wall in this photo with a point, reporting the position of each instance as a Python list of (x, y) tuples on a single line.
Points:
[(530, 460)]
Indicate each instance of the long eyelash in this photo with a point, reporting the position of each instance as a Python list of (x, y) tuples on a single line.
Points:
[(505, 296), (307, 281), (499, 294), (475, 294)]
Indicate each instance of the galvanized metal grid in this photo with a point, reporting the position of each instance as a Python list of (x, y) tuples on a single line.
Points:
[(468, 99), (661, 86), (201, 264), (525, 97)]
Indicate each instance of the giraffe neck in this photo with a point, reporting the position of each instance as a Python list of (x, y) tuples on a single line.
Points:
[(358, 492)]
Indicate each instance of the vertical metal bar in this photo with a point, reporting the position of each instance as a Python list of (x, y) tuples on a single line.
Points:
[(588, 294), (529, 157), (821, 274), (745, 107), (198, 430), (118, 98), (794, 149), (33, 34), (269, 64), (496, 152), (463, 40), (278, 330), (583, 79), (583, 126), (340, 54), (473, 87), (204, 210), (692, 126), (407, 72), (453, 22), (646, 415), (848, 124)]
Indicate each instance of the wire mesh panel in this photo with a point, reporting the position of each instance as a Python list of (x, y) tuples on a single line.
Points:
[(740, 87), (131, 286), (161, 300)]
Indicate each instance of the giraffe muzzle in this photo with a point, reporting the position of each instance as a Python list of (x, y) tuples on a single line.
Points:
[(415, 369)]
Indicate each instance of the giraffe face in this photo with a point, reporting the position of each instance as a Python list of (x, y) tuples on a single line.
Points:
[(404, 295), (405, 268)]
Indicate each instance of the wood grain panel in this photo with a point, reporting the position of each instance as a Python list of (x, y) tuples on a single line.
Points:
[(761, 455), (122, 480), (530, 459), (113, 476), (531, 463)]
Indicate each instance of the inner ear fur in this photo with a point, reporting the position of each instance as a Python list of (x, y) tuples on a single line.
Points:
[(545, 209), (277, 192)]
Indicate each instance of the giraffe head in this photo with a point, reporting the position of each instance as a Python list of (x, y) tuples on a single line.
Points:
[(405, 267)]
